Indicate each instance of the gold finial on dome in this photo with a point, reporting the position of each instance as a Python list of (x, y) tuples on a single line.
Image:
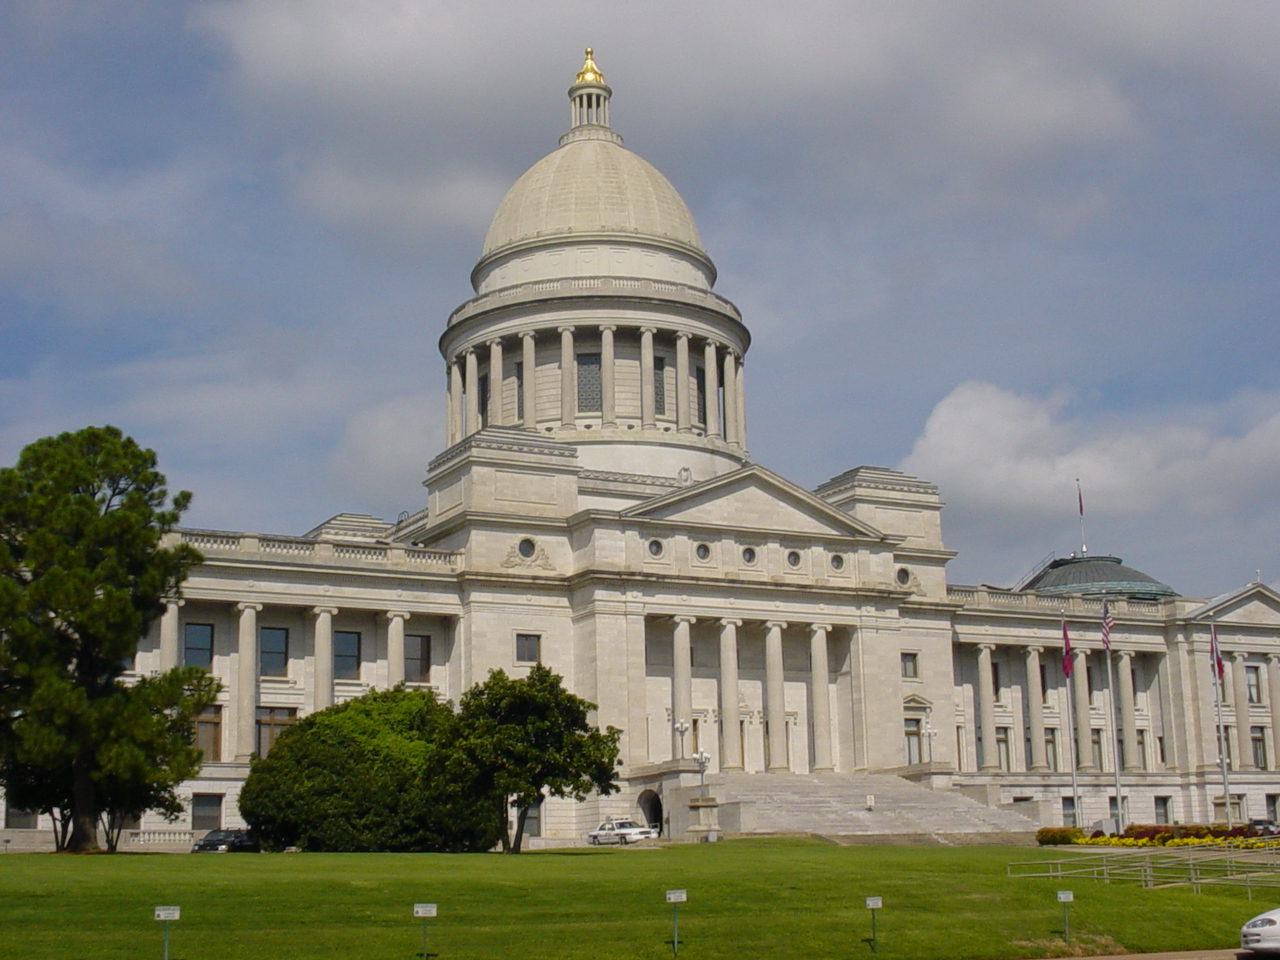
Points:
[(589, 73)]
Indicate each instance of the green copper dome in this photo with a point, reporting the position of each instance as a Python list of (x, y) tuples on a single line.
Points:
[(1097, 577)]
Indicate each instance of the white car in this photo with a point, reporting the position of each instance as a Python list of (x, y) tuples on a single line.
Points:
[(1262, 933), (620, 831)]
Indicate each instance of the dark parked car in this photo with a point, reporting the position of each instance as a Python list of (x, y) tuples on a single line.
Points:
[(227, 841)]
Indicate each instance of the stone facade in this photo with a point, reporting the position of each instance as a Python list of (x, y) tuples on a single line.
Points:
[(597, 509)]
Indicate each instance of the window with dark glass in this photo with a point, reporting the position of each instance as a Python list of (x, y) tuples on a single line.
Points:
[(589, 383), (660, 386), (1051, 748), (1095, 743), (1253, 683), (484, 399), (197, 645), (1163, 806), (912, 732), (1258, 746), (528, 647), (700, 382), (520, 390), (911, 665), (17, 819), (417, 658), (273, 721), (209, 733), (206, 811), (346, 655), (1002, 747), (273, 651)]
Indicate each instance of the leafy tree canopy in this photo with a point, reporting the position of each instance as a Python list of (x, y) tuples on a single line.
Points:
[(377, 773), (83, 576), (524, 739)]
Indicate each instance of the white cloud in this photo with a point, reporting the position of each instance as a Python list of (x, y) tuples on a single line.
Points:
[(382, 456)]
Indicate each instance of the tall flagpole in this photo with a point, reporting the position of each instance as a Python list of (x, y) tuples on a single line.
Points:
[(1107, 624), (1070, 738), (1215, 656)]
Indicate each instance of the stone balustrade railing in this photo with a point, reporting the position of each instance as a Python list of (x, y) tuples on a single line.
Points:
[(1048, 603), (216, 542), (539, 289)]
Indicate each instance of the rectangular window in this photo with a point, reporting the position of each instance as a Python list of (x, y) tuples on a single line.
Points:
[(346, 655), (1095, 744), (1160, 751), (417, 658), (697, 735), (911, 665), (1228, 737), (660, 386), (1253, 683), (995, 682), (197, 645), (1051, 748), (1273, 807), (273, 652), (528, 648), (484, 399), (533, 820), (1068, 811), (209, 734), (15, 819), (961, 757), (206, 812), (1044, 683), (1258, 746), (912, 732), (1163, 809), (700, 382), (1142, 750), (520, 390), (589, 398), (1113, 809), (1002, 747), (273, 721)]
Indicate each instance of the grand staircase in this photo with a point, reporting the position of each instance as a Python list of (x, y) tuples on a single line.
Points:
[(835, 806)]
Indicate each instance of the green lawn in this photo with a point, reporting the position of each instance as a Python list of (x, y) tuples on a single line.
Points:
[(747, 899)]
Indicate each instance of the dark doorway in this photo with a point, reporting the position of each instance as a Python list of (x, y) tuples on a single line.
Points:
[(651, 809)]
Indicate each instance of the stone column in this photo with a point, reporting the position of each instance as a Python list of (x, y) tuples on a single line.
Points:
[(684, 418), (247, 681), (730, 401), (495, 383), (821, 695), (986, 709), (711, 370), (395, 647), (648, 418), (1084, 731), (1034, 707), (1128, 719), (682, 679), (473, 394), (530, 381), (730, 715), (1240, 694), (169, 647), (775, 709), (456, 427), (448, 405), (324, 657), (568, 379), (1273, 700), (608, 392), (740, 390)]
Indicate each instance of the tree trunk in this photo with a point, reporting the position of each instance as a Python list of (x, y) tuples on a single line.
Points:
[(520, 819), (84, 818), (502, 815)]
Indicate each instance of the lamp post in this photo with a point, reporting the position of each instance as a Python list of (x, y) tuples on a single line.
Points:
[(703, 760), (929, 734), (681, 728)]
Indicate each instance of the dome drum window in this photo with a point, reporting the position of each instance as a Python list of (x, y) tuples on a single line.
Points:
[(703, 552), (527, 548), (793, 559), (903, 577), (656, 548), (749, 556), (837, 562)]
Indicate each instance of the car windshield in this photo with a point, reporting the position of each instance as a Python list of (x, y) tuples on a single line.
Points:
[(625, 824), (219, 835)]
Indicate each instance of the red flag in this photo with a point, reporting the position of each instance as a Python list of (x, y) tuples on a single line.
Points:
[(1080, 498), (1215, 652), (1107, 624), (1066, 650)]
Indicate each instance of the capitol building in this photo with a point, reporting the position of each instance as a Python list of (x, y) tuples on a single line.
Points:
[(596, 509)]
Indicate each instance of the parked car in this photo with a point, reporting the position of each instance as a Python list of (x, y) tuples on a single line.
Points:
[(1262, 933), (227, 841), (617, 830), (1264, 826)]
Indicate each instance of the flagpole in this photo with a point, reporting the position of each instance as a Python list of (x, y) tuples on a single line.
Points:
[(1215, 657), (1072, 726), (1107, 624), (1084, 550)]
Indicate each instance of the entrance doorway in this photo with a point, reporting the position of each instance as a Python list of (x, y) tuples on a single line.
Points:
[(651, 809)]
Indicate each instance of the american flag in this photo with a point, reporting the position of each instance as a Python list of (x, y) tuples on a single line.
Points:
[(1215, 652), (1107, 623), (1066, 649)]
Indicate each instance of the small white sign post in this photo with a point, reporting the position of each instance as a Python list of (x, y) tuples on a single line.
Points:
[(1065, 897), (873, 904), (425, 911), (675, 898), (166, 914)]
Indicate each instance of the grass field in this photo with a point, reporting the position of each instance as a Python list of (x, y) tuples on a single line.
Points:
[(747, 899)]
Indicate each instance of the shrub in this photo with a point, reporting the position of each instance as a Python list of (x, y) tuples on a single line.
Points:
[(1056, 836)]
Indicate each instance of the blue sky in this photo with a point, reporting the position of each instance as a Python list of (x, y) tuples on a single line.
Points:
[(997, 245)]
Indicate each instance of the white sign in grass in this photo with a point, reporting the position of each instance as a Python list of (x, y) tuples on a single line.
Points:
[(1065, 896), (424, 909), (677, 896), (168, 913), (874, 903)]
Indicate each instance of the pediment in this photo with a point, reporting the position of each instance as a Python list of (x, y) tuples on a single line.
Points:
[(1253, 604), (754, 498), (913, 701)]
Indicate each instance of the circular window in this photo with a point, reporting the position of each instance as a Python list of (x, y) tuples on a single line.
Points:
[(904, 576), (526, 548), (655, 548), (793, 558), (748, 555), (703, 551), (837, 562)]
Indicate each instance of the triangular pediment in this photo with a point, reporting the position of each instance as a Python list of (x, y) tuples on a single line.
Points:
[(1253, 604), (754, 498)]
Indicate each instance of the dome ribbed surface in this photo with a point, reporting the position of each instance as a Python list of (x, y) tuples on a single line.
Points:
[(591, 186), (1097, 577)]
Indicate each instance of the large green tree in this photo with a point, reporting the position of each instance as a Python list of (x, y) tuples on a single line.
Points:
[(527, 738), (377, 773), (83, 576)]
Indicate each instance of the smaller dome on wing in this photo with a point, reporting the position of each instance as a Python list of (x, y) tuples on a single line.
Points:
[(1097, 577)]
